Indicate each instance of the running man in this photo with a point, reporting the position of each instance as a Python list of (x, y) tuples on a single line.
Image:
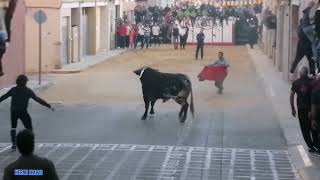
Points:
[(20, 96), (221, 62)]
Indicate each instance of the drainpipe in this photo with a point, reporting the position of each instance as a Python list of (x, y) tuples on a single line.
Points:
[(290, 38)]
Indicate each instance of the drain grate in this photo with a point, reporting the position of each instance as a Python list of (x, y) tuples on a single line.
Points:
[(124, 162)]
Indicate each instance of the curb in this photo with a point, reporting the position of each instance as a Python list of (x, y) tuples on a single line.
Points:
[(81, 69)]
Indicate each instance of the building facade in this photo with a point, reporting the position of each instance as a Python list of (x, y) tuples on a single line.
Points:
[(280, 44), (73, 29)]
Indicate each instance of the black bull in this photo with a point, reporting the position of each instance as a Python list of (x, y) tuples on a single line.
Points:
[(157, 85)]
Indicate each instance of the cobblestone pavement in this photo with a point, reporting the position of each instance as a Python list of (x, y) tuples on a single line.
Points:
[(120, 161)]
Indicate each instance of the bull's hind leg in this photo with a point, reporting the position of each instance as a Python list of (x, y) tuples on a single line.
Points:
[(185, 108), (146, 106)]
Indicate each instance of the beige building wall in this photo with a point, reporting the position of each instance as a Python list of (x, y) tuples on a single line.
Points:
[(50, 39), (93, 30)]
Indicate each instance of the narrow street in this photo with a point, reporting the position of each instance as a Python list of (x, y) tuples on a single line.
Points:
[(235, 135)]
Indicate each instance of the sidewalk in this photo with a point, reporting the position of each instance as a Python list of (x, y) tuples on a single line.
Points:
[(278, 91), (89, 61), (33, 83)]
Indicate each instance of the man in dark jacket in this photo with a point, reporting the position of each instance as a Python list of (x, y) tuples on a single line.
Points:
[(29, 166), (175, 34), (200, 43), (303, 49), (302, 87), (20, 96)]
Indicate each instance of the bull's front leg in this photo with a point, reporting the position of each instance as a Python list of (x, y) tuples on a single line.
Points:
[(146, 106), (152, 105)]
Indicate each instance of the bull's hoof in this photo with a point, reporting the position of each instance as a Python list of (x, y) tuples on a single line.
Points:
[(182, 120), (143, 117)]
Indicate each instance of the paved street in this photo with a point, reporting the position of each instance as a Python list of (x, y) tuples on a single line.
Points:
[(96, 131)]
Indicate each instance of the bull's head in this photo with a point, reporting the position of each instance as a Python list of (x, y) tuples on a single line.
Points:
[(140, 71)]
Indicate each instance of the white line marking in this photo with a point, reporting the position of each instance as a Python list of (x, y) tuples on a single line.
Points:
[(273, 166), (4, 149), (186, 165), (253, 167), (165, 162), (306, 160), (69, 172), (208, 164), (272, 93)]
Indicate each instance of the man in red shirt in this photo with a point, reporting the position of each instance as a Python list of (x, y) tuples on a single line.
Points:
[(122, 32)]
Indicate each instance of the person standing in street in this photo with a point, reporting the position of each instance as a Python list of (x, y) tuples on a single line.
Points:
[(156, 34), (175, 34), (147, 34), (132, 37), (182, 33), (122, 31), (127, 39), (200, 44), (29, 165), (302, 87), (3, 48), (8, 17), (221, 62), (20, 96), (140, 37), (185, 37)]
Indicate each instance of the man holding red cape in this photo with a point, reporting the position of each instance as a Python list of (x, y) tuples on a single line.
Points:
[(216, 72)]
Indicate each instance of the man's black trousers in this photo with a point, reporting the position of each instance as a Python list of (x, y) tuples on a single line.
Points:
[(303, 49), (310, 136), (199, 47)]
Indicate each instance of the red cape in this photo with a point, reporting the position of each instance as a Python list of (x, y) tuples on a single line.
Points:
[(211, 73)]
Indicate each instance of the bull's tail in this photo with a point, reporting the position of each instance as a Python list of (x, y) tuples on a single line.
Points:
[(191, 103)]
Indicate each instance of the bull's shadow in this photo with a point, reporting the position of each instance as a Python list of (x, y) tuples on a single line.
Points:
[(157, 85)]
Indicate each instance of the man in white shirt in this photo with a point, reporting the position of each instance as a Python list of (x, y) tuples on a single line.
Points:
[(155, 34), (140, 37)]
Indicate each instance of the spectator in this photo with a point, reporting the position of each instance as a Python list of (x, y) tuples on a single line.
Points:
[(20, 96), (8, 17), (303, 49), (200, 43), (155, 34), (253, 32), (2, 50), (122, 31), (28, 165), (175, 34), (183, 37), (140, 35), (132, 37), (302, 87), (147, 34), (128, 29), (308, 27), (315, 109)]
